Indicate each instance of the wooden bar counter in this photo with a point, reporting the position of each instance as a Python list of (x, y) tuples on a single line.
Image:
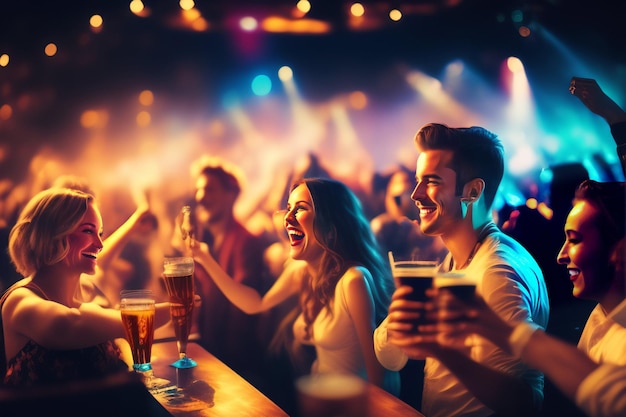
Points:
[(212, 387), (383, 404), (216, 390)]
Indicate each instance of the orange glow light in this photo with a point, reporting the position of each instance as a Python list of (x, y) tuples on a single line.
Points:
[(146, 98), (304, 6), (186, 4), (357, 100), (95, 21), (395, 15), (531, 203), (5, 112), (281, 25), (136, 6), (51, 49), (143, 119), (89, 118), (357, 10)]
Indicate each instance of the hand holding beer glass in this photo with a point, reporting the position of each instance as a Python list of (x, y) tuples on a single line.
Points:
[(178, 277), (411, 308), (416, 274), (455, 299)]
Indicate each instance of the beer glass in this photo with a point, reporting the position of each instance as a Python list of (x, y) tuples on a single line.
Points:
[(461, 286), (332, 395), (416, 274), (419, 276), (178, 277), (137, 311)]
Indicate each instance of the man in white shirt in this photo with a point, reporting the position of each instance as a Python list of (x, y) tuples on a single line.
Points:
[(458, 172)]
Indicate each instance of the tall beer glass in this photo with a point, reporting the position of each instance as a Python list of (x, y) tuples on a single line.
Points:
[(137, 310), (178, 277)]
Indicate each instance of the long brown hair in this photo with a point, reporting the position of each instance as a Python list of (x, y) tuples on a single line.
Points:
[(343, 231)]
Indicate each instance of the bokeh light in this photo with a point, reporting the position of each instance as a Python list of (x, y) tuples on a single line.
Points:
[(146, 98), (267, 86), (357, 9), (261, 85), (395, 15), (50, 49)]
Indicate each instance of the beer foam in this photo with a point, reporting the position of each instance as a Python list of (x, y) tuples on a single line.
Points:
[(417, 269), (136, 304), (178, 266), (178, 270), (448, 279)]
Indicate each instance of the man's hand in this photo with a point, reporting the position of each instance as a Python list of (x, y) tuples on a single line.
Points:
[(405, 318)]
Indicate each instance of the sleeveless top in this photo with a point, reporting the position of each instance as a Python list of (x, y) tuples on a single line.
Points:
[(336, 342), (36, 365)]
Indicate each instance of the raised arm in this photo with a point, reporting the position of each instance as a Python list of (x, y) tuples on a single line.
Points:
[(563, 364), (506, 393), (141, 219), (247, 299), (598, 102)]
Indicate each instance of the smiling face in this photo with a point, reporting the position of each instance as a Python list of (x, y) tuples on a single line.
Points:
[(85, 242), (214, 197), (299, 221), (584, 253), (435, 192)]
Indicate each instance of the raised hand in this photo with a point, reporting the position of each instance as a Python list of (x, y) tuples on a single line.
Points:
[(596, 100)]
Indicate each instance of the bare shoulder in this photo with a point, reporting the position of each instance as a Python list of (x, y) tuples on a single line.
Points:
[(354, 278), (18, 297)]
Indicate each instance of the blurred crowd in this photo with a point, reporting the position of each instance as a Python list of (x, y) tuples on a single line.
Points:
[(245, 240)]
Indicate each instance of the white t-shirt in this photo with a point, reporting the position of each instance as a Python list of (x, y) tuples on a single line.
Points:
[(512, 284), (603, 392), (602, 339)]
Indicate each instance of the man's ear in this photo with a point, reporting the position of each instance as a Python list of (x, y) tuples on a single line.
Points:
[(473, 189)]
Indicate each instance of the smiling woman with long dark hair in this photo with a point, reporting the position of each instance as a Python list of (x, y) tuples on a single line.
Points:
[(343, 283)]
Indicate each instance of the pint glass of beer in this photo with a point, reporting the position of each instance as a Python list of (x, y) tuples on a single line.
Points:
[(178, 277), (332, 395), (137, 310)]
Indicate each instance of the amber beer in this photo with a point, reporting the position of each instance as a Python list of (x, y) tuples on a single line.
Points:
[(138, 320), (181, 293), (178, 278)]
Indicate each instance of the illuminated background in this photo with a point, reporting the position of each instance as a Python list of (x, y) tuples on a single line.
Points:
[(128, 94)]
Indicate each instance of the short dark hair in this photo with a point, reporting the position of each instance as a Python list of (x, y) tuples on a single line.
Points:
[(476, 153), (610, 200), (229, 175)]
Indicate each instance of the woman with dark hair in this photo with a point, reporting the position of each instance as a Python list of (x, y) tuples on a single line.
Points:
[(594, 225), (594, 374), (343, 283)]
